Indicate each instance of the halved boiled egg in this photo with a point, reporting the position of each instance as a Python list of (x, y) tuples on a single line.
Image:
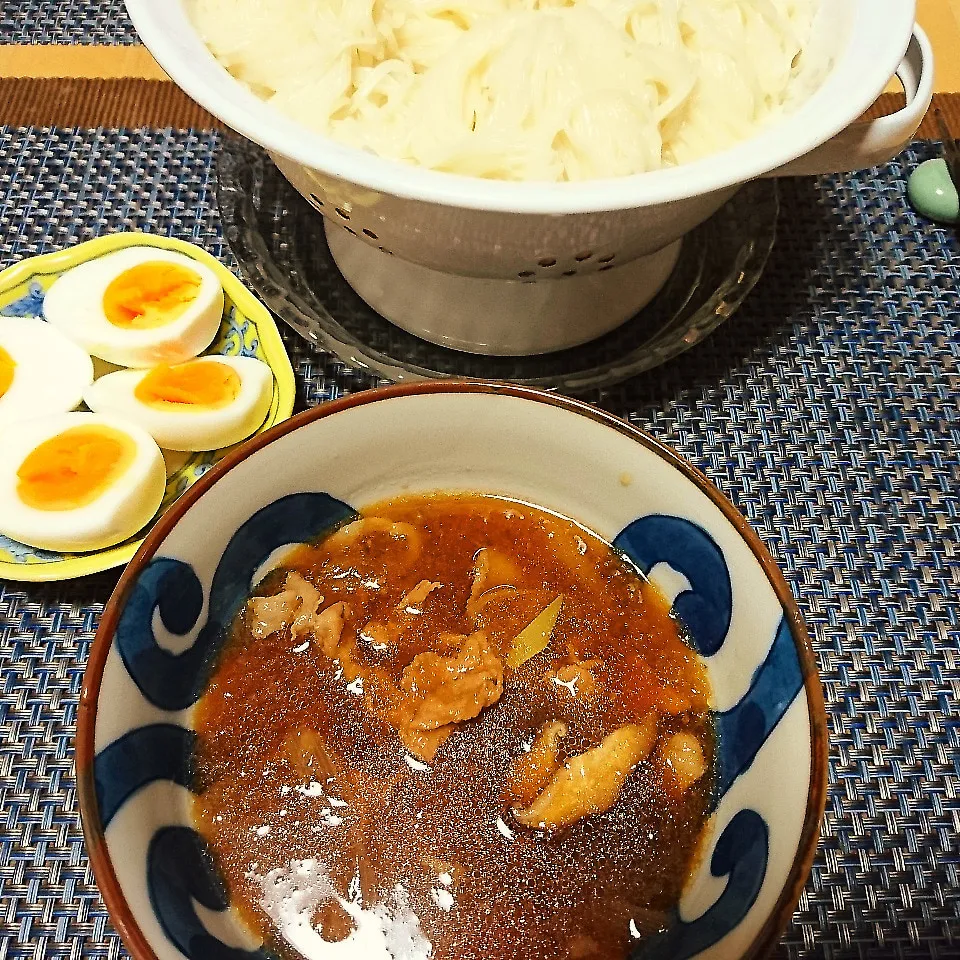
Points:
[(76, 482), (204, 404), (138, 307), (41, 370)]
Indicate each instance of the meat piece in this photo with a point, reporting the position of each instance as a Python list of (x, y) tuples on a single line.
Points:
[(387, 633), (351, 666), (350, 537), (269, 615), (296, 606), (591, 782), (439, 691), (683, 763), (531, 771), (492, 572), (290, 607), (327, 628), (410, 604), (578, 678), (310, 599), (334, 923), (309, 756), (424, 744), (450, 689)]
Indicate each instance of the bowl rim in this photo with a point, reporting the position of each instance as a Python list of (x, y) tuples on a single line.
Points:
[(880, 53), (112, 893)]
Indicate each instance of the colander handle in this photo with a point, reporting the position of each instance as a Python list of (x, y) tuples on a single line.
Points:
[(872, 142)]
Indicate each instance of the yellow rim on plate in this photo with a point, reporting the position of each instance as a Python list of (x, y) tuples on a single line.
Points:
[(239, 304)]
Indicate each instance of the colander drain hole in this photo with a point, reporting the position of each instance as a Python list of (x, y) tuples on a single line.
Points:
[(546, 263)]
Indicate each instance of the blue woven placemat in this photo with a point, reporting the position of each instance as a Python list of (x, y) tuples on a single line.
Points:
[(828, 409), (66, 21)]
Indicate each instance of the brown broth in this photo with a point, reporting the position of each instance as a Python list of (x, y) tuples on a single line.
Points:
[(480, 884)]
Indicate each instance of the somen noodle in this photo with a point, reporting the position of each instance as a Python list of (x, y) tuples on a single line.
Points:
[(520, 89)]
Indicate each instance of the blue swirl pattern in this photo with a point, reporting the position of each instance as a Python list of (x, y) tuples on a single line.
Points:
[(179, 872), (706, 608), (175, 681), (160, 751), (706, 611), (743, 729), (741, 856)]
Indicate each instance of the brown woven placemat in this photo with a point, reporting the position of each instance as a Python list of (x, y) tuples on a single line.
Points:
[(135, 102), (130, 102)]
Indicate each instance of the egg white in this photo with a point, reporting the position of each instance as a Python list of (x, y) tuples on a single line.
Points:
[(180, 427), (74, 304), (128, 504), (50, 373)]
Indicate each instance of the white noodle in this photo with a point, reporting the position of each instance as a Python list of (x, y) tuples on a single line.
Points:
[(520, 89)]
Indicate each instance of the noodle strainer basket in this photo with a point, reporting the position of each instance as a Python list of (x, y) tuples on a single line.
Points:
[(508, 268)]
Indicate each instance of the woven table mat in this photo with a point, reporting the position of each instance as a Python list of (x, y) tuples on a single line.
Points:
[(827, 409), (66, 21)]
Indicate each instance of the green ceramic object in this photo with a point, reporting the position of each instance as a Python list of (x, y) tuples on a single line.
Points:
[(933, 193)]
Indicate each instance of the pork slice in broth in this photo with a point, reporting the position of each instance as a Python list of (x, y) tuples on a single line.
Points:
[(591, 782), (441, 691)]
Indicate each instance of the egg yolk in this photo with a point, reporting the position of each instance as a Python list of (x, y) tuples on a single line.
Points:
[(195, 383), (6, 371), (150, 295), (73, 468)]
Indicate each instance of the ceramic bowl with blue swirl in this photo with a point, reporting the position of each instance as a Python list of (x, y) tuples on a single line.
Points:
[(170, 612)]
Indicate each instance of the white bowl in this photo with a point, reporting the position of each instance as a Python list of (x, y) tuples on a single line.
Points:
[(467, 253), (465, 249), (167, 618), (867, 40)]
